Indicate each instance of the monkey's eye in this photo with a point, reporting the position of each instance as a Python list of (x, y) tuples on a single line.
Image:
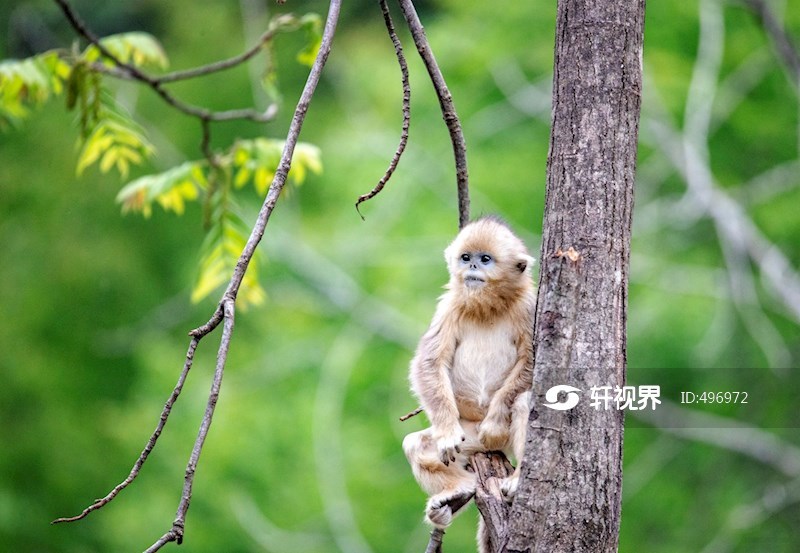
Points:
[(465, 257), (486, 258)]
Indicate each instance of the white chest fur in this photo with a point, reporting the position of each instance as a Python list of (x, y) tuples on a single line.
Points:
[(483, 358)]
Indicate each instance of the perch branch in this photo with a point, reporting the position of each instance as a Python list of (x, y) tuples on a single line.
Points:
[(435, 543), (491, 468), (401, 59), (226, 308), (447, 107)]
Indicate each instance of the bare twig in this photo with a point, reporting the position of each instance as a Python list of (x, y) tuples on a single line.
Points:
[(178, 525), (226, 308), (151, 443), (276, 25), (398, 50), (413, 413), (446, 104), (229, 297)]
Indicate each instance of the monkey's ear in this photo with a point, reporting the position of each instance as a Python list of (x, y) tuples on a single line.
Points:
[(523, 262)]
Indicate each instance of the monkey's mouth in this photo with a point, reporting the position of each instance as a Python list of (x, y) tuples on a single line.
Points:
[(471, 281)]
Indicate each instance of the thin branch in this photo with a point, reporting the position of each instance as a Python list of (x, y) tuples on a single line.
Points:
[(188, 109), (413, 413), (276, 25), (151, 443), (401, 59), (447, 107), (178, 525), (279, 180), (229, 297)]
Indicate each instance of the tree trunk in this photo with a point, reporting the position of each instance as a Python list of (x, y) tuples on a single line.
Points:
[(570, 492)]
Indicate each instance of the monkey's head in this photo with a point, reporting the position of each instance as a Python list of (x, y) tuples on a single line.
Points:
[(488, 262)]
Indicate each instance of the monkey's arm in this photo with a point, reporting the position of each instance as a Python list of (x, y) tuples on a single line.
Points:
[(430, 382)]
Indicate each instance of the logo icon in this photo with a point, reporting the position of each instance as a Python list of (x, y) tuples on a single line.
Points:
[(552, 397)]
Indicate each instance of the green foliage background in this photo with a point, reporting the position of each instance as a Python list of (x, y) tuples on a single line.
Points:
[(304, 454)]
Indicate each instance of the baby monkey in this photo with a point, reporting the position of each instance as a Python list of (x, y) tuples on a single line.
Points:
[(472, 370)]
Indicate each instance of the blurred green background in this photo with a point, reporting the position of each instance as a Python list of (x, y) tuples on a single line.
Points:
[(304, 454)]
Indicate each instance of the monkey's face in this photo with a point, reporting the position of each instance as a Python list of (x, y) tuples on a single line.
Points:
[(475, 268), (487, 259)]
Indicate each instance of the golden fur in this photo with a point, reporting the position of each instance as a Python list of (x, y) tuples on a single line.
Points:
[(473, 367)]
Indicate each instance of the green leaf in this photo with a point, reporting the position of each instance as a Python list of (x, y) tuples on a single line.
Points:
[(170, 189), (257, 160), (221, 251), (136, 48), (29, 83), (312, 25), (116, 142)]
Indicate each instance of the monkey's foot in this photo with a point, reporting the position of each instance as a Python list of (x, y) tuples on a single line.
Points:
[(443, 507)]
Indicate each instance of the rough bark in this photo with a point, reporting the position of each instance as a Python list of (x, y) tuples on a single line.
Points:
[(570, 491)]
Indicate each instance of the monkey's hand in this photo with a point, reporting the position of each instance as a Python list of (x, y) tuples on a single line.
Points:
[(493, 434), (448, 442)]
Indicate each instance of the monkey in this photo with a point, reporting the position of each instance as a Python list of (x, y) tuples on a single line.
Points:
[(472, 370)]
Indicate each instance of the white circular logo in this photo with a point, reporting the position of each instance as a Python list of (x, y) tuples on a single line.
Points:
[(552, 397)]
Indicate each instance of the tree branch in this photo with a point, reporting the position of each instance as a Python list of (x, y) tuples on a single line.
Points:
[(401, 59), (176, 532), (276, 25), (128, 71), (447, 107), (226, 308)]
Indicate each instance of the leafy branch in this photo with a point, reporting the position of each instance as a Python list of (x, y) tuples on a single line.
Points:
[(124, 69), (110, 138)]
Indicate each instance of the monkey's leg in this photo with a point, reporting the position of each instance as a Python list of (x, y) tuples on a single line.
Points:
[(451, 487), (519, 431)]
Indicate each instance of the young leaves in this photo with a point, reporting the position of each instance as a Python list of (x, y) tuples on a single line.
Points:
[(115, 141), (110, 139), (28, 83), (312, 25), (136, 48), (170, 189), (247, 162), (257, 160)]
